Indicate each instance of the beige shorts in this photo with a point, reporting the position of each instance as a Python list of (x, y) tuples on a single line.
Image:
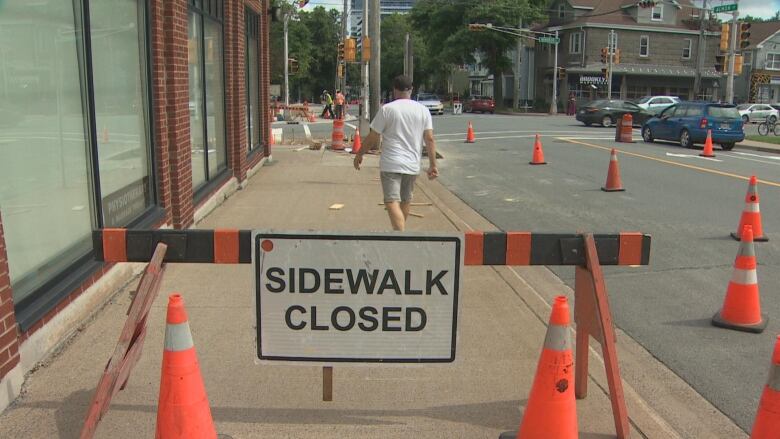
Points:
[(397, 187)]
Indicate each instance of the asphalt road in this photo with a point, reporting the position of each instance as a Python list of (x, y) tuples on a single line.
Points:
[(688, 204)]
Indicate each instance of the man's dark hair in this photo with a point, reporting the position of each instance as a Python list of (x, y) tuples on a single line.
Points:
[(402, 83)]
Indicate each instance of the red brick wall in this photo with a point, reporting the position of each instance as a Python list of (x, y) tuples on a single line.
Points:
[(175, 13), (9, 339), (159, 105), (265, 74), (235, 86)]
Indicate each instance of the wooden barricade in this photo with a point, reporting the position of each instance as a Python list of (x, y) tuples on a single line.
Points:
[(128, 348)]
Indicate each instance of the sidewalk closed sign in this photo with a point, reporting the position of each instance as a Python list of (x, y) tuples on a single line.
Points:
[(357, 298)]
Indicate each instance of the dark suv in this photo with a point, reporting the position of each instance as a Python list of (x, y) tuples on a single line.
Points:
[(688, 123)]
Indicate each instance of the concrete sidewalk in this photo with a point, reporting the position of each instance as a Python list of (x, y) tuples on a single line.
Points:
[(503, 313)]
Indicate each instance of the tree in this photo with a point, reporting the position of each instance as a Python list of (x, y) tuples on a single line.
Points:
[(751, 19), (394, 30), (449, 41)]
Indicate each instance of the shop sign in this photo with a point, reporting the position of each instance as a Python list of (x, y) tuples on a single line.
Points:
[(122, 206), (357, 298), (592, 80)]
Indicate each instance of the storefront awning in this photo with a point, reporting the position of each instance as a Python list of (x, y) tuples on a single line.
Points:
[(645, 70)]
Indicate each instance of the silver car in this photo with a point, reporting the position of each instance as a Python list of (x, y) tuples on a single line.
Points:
[(431, 102), (757, 113)]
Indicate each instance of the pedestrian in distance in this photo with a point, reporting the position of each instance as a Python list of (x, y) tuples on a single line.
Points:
[(327, 100), (403, 125), (571, 109), (339, 105)]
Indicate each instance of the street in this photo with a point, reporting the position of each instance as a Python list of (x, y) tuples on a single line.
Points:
[(688, 204)]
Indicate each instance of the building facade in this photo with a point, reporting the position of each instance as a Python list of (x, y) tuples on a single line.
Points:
[(658, 50), (387, 7), (760, 78), (114, 113)]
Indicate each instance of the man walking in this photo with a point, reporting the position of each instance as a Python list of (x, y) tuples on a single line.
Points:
[(328, 101), (403, 124), (339, 105)]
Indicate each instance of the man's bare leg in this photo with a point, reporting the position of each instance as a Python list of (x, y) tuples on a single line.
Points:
[(405, 208), (397, 217)]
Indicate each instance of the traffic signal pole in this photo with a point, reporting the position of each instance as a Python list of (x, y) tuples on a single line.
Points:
[(699, 52), (732, 56), (286, 67), (611, 53), (554, 103)]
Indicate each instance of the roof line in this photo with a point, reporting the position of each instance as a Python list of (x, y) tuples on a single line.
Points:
[(760, 45)]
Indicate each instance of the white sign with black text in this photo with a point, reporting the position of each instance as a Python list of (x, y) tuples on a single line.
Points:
[(357, 298)]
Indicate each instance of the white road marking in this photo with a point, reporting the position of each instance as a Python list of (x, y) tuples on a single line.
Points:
[(671, 154), (541, 133), (771, 157)]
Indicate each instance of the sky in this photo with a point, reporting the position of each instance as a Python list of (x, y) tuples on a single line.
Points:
[(755, 8)]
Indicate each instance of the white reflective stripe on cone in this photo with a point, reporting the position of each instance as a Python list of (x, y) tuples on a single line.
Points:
[(747, 249), (557, 338), (178, 337), (774, 377), (752, 207), (744, 277)]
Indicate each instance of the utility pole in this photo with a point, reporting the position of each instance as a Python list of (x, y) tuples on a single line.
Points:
[(344, 16), (699, 53), (554, 103), (611, 52), (374, 74), (364, 115), (732, 56), (518, 51), (406, 55), (286, 62)]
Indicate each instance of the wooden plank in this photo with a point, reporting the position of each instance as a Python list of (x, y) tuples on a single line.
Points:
[(327, 383)]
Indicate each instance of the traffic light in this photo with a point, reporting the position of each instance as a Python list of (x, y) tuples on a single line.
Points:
[(292, 65), (476, 27), (341, 70), (720, 63), (604, 55), (350, 49), (744, 35), (366, 55), (561, 73), (341, 51), (724, 37), (616, 58), (738, 65), (646, 3)]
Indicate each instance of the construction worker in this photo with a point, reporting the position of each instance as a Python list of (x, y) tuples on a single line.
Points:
[(326, 98), (339, 105)]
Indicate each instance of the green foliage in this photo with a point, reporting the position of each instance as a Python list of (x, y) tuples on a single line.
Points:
[(394, 30), (751, 19), (449, 41)]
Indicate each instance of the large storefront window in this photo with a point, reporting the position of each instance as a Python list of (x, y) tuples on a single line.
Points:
[(74, 137), (252, 80), (45, 184), (207, 91), (119, 66)]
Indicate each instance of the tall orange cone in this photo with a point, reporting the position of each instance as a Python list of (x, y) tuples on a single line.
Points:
[(767, 423), (708, 146), (183, 410), (613, 183), (470, 134), (742, 307), (356, 144), (538, 157), (751, 215), (551, 411)]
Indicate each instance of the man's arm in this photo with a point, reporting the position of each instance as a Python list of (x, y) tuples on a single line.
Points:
[(371, 142), (430, 146)]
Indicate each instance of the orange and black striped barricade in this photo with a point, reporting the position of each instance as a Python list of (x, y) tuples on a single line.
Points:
[(337, 137), (587, 252), (131, 339)]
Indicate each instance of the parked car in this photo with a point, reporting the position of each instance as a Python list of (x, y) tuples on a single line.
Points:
[(606, 112), (431, 102), (688, 123), (483, 104), (757, 113), (656, 104)]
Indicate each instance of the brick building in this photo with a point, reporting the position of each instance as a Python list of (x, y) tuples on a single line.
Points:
[(114, 113), (658, 50)]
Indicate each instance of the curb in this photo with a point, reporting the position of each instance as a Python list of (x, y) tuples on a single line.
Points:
[(761, 148)]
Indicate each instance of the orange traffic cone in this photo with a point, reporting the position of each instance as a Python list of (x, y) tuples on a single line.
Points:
[(357, 144), (183, 410), (104, 135), (767, 423), (271, 140), (551, 411), (613, 175), (708, 146), (538, 158), (470, 134), (751, 215), (742, 307)]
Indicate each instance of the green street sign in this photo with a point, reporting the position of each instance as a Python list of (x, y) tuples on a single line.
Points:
[(549, 40), (724, 8)]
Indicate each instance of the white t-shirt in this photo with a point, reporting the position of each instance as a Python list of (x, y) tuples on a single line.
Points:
[(401, 124)]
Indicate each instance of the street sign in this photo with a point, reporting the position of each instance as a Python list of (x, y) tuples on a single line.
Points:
[(549, 40), (725, 8), (357, 298)]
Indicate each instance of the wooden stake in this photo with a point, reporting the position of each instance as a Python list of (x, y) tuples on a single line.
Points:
[(327, 383)]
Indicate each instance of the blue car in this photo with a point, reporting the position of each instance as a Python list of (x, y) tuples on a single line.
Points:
[(688, 123)]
